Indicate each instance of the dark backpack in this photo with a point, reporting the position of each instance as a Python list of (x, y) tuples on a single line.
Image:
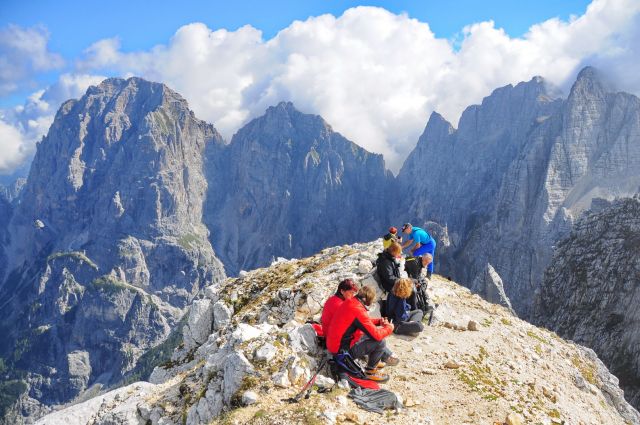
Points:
[(413, 266)]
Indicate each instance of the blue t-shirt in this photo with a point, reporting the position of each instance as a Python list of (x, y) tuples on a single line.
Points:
[(419, 235)]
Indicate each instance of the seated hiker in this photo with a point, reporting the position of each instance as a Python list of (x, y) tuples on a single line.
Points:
[(424, 245), (347, 289), (405, 320), (388, 266), (351, 329), (388, 269), (390, 237)]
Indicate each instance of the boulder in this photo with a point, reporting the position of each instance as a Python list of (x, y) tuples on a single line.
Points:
[(245, 332), (303, 339), (265, 353), (221, 315), (198, 326)]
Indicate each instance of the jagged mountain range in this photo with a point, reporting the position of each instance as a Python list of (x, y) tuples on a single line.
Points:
[(132, 205), (589, 290)]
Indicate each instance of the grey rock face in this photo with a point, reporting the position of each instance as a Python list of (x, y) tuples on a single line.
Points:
[(590, 289), (118, 186), (510, 181), (288, 185), (489, 286)]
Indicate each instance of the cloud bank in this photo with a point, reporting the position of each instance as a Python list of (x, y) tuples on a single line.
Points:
[(373, 75)]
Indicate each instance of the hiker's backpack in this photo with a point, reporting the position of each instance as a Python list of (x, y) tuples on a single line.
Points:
[(343, 366), (413, 266)]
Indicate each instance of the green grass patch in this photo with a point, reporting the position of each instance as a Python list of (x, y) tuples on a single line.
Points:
[(80, 256), (10, 391), (534, 335)]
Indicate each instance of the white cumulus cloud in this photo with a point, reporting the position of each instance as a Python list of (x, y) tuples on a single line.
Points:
[(375, 76), (24, 53), (23, 126)]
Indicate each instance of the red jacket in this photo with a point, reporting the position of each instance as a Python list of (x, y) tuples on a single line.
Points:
[(329, 309), (350, 318)]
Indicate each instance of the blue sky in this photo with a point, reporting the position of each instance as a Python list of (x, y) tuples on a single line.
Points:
[(74, 25), (375, 71)]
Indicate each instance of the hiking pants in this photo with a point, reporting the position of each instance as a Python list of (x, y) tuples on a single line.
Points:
[(428, 248), (411, 326), (376, 350)]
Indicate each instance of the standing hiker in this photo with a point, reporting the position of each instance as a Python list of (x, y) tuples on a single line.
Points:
[(391, 237), (424, 245)]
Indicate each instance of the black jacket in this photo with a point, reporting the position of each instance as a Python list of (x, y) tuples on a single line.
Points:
[(388, 270)]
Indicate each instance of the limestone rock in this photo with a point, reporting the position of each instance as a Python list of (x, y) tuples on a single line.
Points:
[(221, 315), (199, 323), (249, 398), (265, 353), (489, 285), (303, 339), (514, 419), (245, 332)]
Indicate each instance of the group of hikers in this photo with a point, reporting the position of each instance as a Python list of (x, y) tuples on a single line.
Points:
[(349, 330)]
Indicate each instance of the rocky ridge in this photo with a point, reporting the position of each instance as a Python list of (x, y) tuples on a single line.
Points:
[(247, 347), (288, 185), (520, 168), (590, 289)]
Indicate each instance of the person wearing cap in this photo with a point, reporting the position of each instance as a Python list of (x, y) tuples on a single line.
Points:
[(391, 237), (424, 245), (347, 289)]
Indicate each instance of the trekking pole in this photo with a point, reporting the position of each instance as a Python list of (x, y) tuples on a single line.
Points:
[(308, 386)]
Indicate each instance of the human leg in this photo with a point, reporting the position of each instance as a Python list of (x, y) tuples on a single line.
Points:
[(375, 350)]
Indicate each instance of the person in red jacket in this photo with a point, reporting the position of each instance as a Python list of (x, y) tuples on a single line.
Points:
[(351, 329), (347, 289)]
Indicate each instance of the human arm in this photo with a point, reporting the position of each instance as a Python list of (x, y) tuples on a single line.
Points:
[(364, 322)]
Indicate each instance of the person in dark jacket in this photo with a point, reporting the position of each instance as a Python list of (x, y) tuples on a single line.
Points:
[(352, 319), (405, 320), (388, 269), (388, 266), (347, 289)]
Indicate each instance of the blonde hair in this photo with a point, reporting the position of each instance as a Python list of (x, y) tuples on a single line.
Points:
[(394, 249), (367, 294), (403, 288)]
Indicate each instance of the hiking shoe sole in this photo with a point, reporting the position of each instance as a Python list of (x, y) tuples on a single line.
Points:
[(377, 378)]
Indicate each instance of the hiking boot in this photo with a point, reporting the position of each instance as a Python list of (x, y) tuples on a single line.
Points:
[(375, 375), (392, 361), (381, 365)]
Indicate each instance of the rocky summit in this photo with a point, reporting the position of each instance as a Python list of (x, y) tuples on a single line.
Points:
[(247, 348), (288, 185), (589, 291)]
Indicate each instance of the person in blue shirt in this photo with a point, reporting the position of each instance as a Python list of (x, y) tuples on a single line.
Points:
[(424, 245)]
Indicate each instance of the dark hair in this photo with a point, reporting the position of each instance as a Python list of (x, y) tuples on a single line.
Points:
[(347, 285)]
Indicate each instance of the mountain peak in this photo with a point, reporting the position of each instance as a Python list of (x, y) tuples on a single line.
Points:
[(589, 82)]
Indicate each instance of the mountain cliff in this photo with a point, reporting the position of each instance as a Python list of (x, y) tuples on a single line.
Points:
[(288, 185), (518, 171), (476, 364), (105, 245), (590, 289)]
